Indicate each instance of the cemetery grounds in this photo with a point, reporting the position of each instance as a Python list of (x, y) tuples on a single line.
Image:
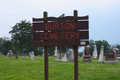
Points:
[(19, 69)]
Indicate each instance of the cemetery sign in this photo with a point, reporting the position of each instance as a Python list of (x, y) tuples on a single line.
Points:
[(52, 31)]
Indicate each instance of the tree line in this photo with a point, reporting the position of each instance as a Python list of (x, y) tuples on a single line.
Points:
[(100, 43), (22, 41)]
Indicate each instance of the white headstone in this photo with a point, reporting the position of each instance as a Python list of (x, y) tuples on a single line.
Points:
[(55, 51), (101, 55), (116, 49), (32, 55), (29, 54), (64, 58), (23, 57), (95, 54), (83, 53), (58, 57), (9, 54), (71, 55)]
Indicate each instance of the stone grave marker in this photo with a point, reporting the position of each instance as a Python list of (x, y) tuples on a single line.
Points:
[(16, 54), (86, 57), (43, 54), (118, 56), (55, 54), (101, 55), (95, 53), (58, 57), (117, 53), (110, 57), (116, 49), (71, 55), (9, 54), (32, 55), (83, 53), (64, 58), (23, 57)]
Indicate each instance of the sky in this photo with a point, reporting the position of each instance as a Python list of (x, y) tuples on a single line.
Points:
[(104, 15)]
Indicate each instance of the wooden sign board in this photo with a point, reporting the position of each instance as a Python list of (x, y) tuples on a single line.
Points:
[(64, 31), (70, 30)]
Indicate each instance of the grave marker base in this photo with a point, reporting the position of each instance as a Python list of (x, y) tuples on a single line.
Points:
[(86, 60), (111, 62)]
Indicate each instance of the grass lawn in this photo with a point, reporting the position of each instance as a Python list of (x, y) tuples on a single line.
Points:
[(19, 69)]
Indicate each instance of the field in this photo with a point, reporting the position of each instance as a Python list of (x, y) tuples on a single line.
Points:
[(19, 69)]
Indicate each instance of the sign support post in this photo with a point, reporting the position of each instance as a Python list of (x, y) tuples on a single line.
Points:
[(46, 54), (75, 55)]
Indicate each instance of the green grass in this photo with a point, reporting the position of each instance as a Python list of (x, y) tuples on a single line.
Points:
[(19, 69)]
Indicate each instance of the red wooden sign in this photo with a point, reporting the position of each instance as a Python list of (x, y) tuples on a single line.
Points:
[(53, 31), (70, 30), (60, 26)]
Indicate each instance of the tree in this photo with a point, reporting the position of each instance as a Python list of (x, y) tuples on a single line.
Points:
[(22, 35), (91, 46), (5, 45), (99, 43), (104, 43)]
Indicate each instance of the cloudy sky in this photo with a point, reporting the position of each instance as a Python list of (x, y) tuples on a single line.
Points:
[(104, 15)]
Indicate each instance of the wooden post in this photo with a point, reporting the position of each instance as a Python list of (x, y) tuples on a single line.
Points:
[(75, 55), (46, 54)]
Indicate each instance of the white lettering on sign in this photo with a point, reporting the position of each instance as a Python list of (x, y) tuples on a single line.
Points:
[(82, 43)]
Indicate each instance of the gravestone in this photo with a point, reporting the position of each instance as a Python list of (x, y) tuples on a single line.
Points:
[(55, 54), (58, 57), (86, 57), (43, 54), (117, 53), (16, 54), (95, 53), (71, 55), (64, 58), (116, 49), (110, 57), (32, 55), (101, 55), (23, 57), (83, 53), (9, 54), (118, 56)]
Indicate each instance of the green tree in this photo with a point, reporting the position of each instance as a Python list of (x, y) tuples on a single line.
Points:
[(5, 45), (22, 35), (91, 46), (99, 43), (106, 45)]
